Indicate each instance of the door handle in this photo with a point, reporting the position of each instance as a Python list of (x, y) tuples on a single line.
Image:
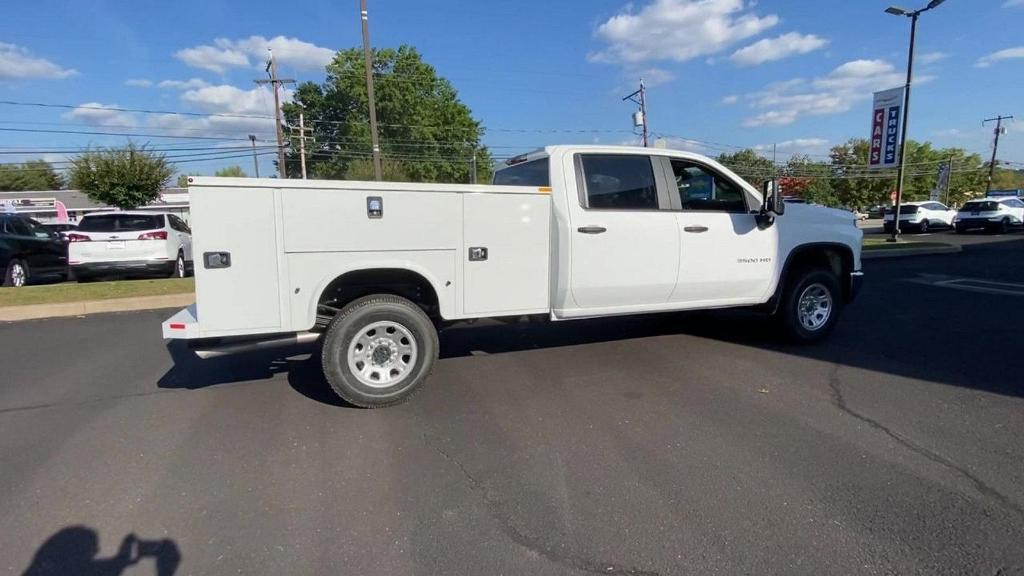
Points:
[(592, 229), (695, 229)]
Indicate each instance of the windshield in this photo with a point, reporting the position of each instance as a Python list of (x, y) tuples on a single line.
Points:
[(980, 207), (121, 222), (533, 173)]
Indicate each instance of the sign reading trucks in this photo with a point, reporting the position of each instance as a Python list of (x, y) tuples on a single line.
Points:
[(885, 128)]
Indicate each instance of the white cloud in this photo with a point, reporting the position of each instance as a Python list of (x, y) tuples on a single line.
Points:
[(730, 99), (1013, 3), (138, 83), (190, 84), (678, 30), (17, 62), (770, 49), (930, 58), (239, 111), (656, 77), (795, 145), (1007, 54), (834, 93), (252, 51), (99, 114)]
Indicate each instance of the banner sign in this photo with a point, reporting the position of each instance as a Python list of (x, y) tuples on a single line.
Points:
[(885, 129)]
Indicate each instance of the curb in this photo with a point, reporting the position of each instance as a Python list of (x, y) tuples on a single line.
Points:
[(37, 311), (897, 252)]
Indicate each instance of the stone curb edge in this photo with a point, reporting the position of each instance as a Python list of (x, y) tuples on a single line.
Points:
[(897, 252), (37, 311)]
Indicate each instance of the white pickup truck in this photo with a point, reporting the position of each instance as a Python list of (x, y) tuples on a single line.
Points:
[(373, 269)]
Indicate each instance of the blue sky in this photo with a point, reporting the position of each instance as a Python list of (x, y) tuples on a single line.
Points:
[(723, 72)]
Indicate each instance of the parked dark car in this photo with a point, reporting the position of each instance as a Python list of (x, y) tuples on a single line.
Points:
[(62, 230), (29, 252)]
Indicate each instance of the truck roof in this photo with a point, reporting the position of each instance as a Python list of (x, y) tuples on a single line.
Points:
[(604, 149)]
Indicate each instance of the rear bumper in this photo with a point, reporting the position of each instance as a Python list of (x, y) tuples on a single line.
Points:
[(149, 266), (973, 223)]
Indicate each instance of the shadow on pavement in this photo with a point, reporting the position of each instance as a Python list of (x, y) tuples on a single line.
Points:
[(896, 327), (74, 550)]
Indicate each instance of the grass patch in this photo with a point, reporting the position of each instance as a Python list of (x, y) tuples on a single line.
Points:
[(74, 292), (883, 244)]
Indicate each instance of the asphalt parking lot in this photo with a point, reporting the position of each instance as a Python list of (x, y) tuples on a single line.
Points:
[(675, 444)]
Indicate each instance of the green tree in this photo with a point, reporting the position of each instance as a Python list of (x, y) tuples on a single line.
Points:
[(126, 177), (426, 133), (30, 175), (819, 191), (750, 165), (231, 172)]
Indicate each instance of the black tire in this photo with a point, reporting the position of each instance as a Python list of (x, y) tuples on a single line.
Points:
[(1004, 226), (788, 315), (923, 228), (349, 325), (15, 274)]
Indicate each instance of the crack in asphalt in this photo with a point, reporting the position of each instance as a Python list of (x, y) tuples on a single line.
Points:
[(528, 541), (978, 483)]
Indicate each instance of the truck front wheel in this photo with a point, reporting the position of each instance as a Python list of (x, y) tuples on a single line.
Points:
[(378, 351), (810, 305)]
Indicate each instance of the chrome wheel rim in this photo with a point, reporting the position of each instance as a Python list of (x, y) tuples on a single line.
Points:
[(17, 275), (382, 354), (814, 307)]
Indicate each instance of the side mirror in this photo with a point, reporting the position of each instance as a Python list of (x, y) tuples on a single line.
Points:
[(773, 202)]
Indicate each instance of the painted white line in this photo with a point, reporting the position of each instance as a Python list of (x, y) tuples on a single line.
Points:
[(983, 286)]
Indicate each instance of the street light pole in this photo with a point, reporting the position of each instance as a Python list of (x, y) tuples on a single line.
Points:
[(897, 11), (903, 135)]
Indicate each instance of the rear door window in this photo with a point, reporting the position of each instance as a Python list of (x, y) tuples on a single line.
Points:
[(533, 173), (619, 182), (18, 227), (121, 222)]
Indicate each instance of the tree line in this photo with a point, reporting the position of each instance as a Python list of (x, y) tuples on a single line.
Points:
[(843, 179)]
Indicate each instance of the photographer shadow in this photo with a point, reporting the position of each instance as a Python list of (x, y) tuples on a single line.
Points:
[(74, 550)]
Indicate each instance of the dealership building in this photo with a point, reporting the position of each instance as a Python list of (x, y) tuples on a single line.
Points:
[(59, 206)]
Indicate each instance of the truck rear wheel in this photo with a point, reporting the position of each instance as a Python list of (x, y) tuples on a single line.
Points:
[(810, 305), (378, 351)]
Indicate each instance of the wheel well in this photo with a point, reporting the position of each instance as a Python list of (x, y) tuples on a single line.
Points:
[(833, 257), (359, 283)]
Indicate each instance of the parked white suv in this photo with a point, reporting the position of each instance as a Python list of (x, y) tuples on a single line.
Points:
[(119, 243), (992, 214), (920, 217)]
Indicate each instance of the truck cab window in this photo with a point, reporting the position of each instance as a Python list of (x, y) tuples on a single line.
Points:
[(619, 182), (700, 189)]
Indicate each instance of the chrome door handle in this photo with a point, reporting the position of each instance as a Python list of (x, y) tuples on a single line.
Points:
[(695, 229), (592, 229)]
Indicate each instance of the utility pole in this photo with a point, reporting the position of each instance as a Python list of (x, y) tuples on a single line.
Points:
[(276, 83), (640, 117), (949, 179), (255, 162), (368, 57), (472, 167), (302, 142), (995, 147)]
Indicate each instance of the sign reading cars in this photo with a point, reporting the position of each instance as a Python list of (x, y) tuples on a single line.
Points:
[(885, 128)]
